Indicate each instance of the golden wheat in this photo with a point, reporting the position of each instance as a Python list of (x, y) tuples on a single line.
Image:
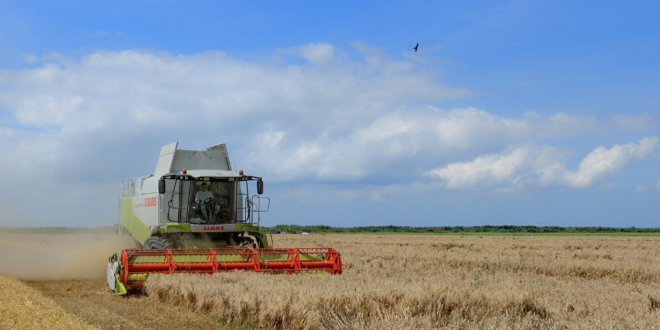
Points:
[(389, 282), (413, 282), (22, 307)]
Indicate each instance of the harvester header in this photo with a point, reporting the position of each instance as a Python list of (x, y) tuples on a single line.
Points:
[(195, 214), (135, 265)]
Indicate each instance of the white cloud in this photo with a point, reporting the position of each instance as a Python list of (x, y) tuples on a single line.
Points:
[(515, 168), (485, 171), (641, 188), (317, 53), (416, 138), (600, 163), (269, 139), (328, 119), (118, 97), (105, 116), (543, 166)]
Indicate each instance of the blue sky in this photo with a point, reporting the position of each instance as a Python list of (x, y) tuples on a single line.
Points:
[(539, 113)]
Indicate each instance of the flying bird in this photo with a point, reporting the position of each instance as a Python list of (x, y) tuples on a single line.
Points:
[(416, 46)]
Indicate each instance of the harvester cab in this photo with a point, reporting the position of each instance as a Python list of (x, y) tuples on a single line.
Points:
[(195, 214), (194, 200)]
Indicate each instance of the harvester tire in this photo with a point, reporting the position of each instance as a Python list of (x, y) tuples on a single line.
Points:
[(156, 242)]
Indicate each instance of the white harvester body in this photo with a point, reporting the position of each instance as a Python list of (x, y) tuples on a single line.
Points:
[(195, 215), (164, 206)]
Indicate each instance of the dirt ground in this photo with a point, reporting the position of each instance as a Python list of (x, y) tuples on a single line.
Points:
[(395, 281), (23, 307), (70, 269), (91, 300)]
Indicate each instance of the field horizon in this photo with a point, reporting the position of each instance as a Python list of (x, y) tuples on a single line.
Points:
[(504, 230)]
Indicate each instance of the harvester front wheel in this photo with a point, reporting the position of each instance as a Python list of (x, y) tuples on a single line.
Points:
[(156, 242)]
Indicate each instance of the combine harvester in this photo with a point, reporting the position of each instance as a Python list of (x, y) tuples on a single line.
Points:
[(196, 215)]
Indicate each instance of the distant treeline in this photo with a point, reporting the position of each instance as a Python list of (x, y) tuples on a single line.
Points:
[(460, 229), (292, 229), (56, 230)]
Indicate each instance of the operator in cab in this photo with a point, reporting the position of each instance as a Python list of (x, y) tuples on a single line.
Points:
[(205, 199)]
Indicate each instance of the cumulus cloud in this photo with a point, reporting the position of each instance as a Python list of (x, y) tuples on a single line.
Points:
[(416, 138), (323, 117), (543, 166), (111, 98), (317, 53), (599, 163), (514, 168), (486, 171)]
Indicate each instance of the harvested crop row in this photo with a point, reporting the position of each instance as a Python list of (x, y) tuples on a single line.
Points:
[(22, 307)]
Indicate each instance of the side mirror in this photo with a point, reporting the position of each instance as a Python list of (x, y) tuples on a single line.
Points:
[(260, 187), (161, 186)]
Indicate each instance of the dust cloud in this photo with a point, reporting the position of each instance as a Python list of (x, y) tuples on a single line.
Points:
[(59, 257)]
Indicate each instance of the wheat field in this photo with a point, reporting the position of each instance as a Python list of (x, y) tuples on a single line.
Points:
[(389, 282), (22, 307), (429, 282)]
